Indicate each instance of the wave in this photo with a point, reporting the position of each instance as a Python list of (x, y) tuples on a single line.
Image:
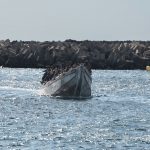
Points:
[(41, 92), (17, 88)]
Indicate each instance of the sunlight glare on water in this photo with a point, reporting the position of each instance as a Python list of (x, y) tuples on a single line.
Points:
[(116, 117)]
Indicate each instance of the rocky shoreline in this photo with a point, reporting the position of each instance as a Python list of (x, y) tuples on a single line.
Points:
[(100, 54)]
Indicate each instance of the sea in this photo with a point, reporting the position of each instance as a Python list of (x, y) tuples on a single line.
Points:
[(116, 117)]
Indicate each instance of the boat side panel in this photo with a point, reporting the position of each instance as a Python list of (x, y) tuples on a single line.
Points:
[(86, 86), (51, 88), (67, 90)]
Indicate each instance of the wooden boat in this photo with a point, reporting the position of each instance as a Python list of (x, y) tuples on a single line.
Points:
[(148, 68), (76, 83)]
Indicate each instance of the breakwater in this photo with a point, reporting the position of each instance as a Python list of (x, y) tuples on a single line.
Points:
[(101, 54)]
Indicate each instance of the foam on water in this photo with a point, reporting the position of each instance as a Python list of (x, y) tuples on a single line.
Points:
[(41, 92), (18, 89)]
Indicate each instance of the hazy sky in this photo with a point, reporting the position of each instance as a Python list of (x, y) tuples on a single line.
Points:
[(75, 19)]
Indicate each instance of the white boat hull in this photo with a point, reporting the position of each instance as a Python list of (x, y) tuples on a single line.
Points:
[(75, 83)]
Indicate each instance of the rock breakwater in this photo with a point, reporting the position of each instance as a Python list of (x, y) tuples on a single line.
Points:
[(101, 54)]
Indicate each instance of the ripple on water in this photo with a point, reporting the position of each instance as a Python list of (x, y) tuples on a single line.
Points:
[(116, 117)]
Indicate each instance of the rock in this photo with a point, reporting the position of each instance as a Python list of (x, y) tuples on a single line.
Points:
[(101, 54), (147, 54)]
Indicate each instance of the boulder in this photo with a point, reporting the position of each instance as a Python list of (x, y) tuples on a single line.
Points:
[(101, 54)]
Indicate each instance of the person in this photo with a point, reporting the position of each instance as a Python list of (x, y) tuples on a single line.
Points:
[(44, 77), (88, 66), (48, 75)]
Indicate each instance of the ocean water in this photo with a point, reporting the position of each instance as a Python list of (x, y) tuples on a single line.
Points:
[(116, 117)]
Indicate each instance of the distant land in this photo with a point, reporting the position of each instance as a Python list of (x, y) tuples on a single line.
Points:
[(100, 54)]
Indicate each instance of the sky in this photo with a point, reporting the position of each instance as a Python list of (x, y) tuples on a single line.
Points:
[(58, 20)]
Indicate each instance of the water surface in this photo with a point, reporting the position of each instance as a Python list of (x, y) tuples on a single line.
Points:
[(116, 117)]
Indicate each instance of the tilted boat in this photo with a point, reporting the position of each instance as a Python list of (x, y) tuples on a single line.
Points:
[(76, 83)]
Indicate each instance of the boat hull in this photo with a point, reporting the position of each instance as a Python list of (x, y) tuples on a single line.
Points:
[(76, 83)]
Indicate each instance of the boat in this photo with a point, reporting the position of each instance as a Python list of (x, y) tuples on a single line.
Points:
[(75, 83), (148, 68)]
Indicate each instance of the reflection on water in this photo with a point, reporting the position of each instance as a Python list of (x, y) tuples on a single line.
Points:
[(116, 117)]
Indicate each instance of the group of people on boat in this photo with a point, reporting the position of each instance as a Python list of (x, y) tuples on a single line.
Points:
[(55, 70)]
